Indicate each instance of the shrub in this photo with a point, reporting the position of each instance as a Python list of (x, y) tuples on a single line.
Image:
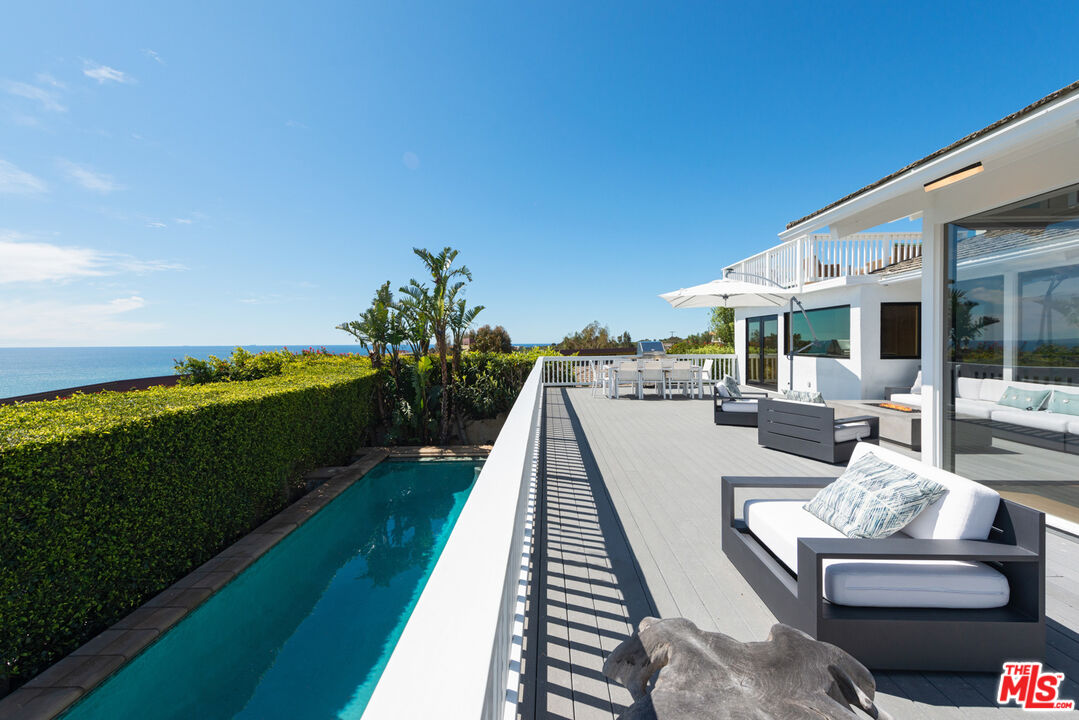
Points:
[(490, 382), (242, 366), (492, 340), (684, 349), (108, 498)]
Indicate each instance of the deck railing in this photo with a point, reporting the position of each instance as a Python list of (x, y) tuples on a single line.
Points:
[(819, 257), (459, 654), (574, 371)]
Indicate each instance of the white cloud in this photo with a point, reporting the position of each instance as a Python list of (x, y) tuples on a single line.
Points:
[(155, 225), (295, 124), (104, 73), (151, 54), (272, 299), (98, 182), (183, 221), (411, 160), (46, 79), (49, 100), (30, 261), (52, 321), (14, 180)]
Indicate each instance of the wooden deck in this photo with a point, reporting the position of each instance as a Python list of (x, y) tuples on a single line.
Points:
[(629, 527)]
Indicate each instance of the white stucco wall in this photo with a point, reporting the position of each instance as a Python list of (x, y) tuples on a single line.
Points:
[(864, 374)]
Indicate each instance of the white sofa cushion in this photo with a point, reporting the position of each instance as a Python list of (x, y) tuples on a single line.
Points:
[(916, 388), (907, 399), (966, 512), (744, 406), (970, 388), (1073, 426), (975, 408), (1037, 419), (851, 431), (778, 524), (915, 583)]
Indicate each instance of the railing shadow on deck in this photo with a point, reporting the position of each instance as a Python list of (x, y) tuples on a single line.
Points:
[(588, 591)]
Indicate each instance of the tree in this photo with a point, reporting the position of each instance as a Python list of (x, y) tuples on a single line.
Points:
[(443, 291), (722, 324), (492, 339), (967, 326), (377, 330), (414, 309), (461, 320), (593, 336)]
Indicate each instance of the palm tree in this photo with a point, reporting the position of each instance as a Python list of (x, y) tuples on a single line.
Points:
[(460, 322), (967, 323), (415, 313), (443, 273), (377, 329)]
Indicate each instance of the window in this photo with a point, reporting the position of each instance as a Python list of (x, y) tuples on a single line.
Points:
[(1011, 315), (831, 328), (900, 331)]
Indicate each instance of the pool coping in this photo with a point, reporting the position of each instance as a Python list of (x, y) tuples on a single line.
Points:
[(68, 680)]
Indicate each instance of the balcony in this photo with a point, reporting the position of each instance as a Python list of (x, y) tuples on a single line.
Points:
[(593, 513), (812, 258)]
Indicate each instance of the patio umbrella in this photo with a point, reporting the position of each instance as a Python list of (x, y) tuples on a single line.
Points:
[(731, 293), (728, 293)]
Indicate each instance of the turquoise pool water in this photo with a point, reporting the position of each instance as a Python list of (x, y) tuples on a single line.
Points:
[(306, 631)]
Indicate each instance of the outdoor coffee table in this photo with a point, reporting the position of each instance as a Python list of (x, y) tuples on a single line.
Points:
[(905, 428)]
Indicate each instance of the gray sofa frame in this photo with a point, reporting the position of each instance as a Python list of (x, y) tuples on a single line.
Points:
[(744, 419), (808, 430), (923, 639)]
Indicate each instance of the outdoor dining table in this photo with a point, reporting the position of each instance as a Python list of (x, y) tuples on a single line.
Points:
[(613, 370)]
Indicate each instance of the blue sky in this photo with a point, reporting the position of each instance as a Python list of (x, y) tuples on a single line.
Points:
[(226, 173)]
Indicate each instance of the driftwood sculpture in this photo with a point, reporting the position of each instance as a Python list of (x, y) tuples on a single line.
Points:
[(711, 676)]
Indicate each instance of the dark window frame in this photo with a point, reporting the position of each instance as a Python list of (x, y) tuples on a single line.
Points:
[(788, 326), (917, 331)]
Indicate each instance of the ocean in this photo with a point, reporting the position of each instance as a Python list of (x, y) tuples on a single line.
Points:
[(32, 370)]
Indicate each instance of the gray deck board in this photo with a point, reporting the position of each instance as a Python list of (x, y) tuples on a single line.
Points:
[(629, 526)]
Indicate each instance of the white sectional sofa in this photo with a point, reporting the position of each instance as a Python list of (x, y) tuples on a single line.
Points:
[(960, 587), (978, 399)]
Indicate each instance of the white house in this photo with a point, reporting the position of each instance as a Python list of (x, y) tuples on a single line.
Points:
[(983, 299)]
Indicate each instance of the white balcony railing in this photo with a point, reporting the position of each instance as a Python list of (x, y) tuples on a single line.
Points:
[(819, 257), (578, 371)]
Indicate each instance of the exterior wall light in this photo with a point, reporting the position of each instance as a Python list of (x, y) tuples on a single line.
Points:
[(954, 177)]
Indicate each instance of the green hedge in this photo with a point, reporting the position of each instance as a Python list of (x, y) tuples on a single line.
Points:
[(106, 499)]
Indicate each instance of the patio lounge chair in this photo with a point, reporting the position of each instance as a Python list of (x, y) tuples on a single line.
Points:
[(812, 429), (735, 411), (960, 588)]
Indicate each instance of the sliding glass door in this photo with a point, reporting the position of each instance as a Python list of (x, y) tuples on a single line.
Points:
[(1011, 318), (762, 351)]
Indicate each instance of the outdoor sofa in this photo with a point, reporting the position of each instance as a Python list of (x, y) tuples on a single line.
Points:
[(959, 588), (812, 429), (735, 411), (978, 401)]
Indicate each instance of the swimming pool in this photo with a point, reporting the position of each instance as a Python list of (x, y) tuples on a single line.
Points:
[(306, 631)]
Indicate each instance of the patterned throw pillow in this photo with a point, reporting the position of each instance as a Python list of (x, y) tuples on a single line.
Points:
[(1023, 399), (803, 396), (732, 386), (873, 498), (1064, 403)]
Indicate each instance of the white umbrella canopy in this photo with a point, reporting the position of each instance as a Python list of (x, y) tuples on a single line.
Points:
[(728, 293)]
